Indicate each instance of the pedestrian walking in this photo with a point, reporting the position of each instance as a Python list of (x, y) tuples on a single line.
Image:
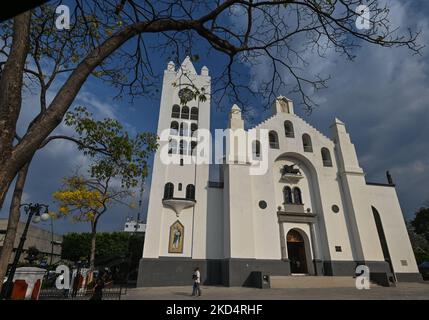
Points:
[(196, 276)]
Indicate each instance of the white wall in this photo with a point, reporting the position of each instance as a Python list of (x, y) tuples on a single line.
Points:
[(320, 190), (385, 200)]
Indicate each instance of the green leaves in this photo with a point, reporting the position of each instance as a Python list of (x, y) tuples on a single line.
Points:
[(77, 246), (190, 92), (421, 222), (114, 152)]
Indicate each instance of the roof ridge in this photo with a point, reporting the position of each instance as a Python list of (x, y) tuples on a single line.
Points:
[(307, 123), (262, 122)]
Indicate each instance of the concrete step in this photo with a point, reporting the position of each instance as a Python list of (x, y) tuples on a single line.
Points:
[(303, 281)]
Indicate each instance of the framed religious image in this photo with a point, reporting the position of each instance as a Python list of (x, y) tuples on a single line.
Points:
[(175, 244)]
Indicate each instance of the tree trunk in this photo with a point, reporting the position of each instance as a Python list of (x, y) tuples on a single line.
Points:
[(46, 122), (11, 97), (93, 240), (12, 224)]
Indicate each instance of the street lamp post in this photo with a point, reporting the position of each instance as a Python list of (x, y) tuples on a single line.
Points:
[(31, 210), (135, 232), (52, 241)]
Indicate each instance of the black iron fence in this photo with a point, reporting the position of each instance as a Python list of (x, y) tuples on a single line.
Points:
[(113, 293)]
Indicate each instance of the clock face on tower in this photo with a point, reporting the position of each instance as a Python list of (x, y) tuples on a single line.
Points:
[(185, 95)]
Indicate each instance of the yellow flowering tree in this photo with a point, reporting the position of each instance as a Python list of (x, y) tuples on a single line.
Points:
[(87, 199), (115, 155)]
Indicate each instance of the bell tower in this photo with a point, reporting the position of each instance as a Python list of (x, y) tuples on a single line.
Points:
[(176, 218), (282, 105)]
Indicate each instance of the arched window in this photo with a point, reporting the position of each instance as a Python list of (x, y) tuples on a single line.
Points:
[(326, 157), (175, 113), (194, 113), (185, 112), (256, 150), (168, 190), (194, 127), (184, 129), (183, 147), (289, 129), (174, 128), (172, 146), (190, 191), (287, 195), (297, 198), (193, 146), (306, 142), (274, 140)]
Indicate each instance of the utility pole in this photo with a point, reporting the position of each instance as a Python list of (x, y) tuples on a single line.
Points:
[(136, 228), (137, 225)]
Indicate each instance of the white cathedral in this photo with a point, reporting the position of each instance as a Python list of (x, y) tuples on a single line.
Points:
[(311, 213)]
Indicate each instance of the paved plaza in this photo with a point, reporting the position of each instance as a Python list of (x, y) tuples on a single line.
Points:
[(419, 291)]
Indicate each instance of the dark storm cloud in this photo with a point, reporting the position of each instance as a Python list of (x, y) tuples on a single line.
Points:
[(383, 98)]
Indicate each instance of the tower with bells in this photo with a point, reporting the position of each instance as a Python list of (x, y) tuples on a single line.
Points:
[(176, 217)]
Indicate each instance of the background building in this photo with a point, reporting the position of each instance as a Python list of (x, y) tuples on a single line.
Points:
[(132, 226), (36, 237)]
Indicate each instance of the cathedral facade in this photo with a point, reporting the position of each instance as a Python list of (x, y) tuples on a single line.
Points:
[(310, 213)]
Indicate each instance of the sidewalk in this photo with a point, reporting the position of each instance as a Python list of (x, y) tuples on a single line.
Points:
[(418, 291)]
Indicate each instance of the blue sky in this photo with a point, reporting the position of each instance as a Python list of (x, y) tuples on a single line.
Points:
[(382, 96)]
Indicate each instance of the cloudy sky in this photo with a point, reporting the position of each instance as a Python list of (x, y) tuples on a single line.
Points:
[(382, 96)]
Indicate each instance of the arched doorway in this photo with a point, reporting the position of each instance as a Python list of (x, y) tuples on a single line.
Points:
[(296, 252)]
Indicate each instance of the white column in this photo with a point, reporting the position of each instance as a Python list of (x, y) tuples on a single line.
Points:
[(315, 241), (282, 241)]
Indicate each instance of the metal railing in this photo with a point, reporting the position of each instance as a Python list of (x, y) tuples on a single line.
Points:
[(114, 293)]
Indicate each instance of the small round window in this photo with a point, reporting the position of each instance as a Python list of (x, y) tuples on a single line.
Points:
[(335, 208), (262, 204)]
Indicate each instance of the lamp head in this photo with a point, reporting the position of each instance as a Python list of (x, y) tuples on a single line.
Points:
[(45, 215), (37, 218)]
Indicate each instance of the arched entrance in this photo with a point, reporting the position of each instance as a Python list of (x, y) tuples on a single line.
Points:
[(296, 252)]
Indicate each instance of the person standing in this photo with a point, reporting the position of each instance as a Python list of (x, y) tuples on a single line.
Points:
[(98, 289), (196, 276), (76, 283)]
